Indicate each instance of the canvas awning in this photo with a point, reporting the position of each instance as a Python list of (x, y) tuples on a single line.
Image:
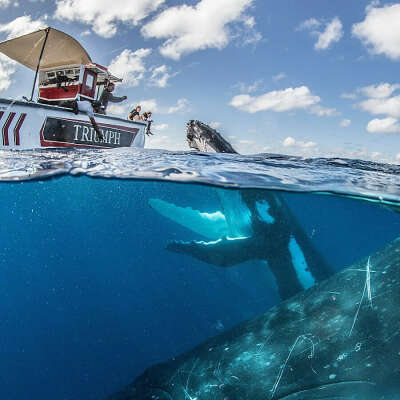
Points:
[(60, 50)]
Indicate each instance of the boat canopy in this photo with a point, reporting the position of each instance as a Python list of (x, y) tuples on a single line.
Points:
[(60, 49)]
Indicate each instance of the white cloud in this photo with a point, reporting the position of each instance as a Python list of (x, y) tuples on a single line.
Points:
[(115, 109), (344, 123), (385, 125), (102, 15), (160, 76), (181, 105), (167, 142), (190, 28), (5, 3), (376, 154), (88, 32), (149, 105), (309, 24), (380, 91), (398, 156), (157, 141), (152, 105), (129, 66), (386, 106), (289, 141), (245, 33), (281, 100), (160, 127), (248, 88), (322, 111), (22, 25), (292, 142), (7, 69), (380, 31), (215, 125), (381, 102), (279, 76), (332, 34)]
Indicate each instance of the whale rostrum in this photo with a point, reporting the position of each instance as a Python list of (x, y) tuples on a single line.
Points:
[(202, 137)]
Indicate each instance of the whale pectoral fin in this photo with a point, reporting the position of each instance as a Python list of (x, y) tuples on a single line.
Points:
[(222, 252), (210, 225)]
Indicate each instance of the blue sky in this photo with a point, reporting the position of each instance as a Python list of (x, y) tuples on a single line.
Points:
[(313, 78)]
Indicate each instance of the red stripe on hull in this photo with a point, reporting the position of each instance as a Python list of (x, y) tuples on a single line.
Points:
[(17, 129), (6, 128)]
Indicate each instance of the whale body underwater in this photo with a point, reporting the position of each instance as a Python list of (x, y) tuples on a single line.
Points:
[(337, 340), (340, 339), (251, 225)]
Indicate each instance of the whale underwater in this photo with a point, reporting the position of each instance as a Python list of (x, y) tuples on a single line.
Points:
[(252, 225), (339, 339)]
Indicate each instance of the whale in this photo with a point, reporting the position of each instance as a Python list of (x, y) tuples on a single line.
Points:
[(251, 225), (338, 340), (202, 137)]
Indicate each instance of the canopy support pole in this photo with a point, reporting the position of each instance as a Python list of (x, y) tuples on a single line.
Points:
[(40, 59)]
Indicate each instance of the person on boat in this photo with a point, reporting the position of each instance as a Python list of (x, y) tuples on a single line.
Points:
[(87, 108), (146, 117), (107, 97), (135, 113)]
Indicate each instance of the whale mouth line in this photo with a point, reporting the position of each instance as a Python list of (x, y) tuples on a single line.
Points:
[(323, 391)]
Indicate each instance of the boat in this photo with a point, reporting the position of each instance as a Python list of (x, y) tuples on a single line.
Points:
[(66, 76)]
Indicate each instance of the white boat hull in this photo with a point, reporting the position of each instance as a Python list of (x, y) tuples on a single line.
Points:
[(27, 125)]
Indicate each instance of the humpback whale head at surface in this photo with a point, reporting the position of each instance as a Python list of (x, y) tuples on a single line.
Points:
[(201, 137)]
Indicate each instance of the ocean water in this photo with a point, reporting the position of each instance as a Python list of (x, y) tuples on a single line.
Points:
[(89, 295)]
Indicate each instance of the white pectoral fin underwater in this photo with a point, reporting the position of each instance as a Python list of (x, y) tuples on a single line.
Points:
[(210, 225)]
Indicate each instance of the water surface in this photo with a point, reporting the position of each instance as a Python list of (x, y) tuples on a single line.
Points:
[(89, 295)]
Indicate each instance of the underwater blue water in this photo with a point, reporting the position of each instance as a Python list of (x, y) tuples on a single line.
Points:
[(89, 295)]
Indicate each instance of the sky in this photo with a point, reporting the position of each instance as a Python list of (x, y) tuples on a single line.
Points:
[(315, 78)]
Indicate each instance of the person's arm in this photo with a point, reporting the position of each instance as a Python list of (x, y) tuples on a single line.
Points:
[(116, 99)]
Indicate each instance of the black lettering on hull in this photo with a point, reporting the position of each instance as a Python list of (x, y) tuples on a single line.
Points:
[(67, 132)]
